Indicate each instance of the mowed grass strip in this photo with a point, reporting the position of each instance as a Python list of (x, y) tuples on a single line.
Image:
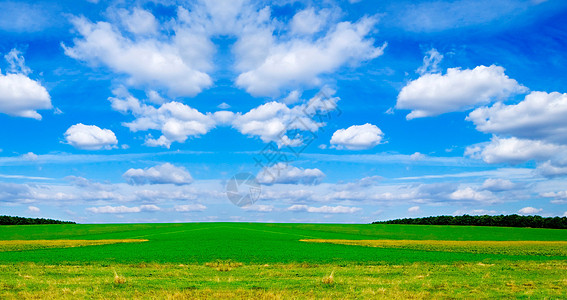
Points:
[(22, 245), (538, 248)]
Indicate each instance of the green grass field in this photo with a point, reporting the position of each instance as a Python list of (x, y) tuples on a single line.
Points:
[(243, 260)]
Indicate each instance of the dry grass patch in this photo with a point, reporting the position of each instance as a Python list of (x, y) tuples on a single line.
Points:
[(545, 248), (22, 245)]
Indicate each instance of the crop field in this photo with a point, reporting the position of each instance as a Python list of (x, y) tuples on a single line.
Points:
[(281, 261)]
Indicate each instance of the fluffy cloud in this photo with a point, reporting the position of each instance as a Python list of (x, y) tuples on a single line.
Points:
[(21, 96), (308, 21), (268, 65), (457, 90), (161, 174), (190, 207), (540, 116), (513, 150), (176, 63), (175, 120), (357, 137), (324, 209), (287, 174), (552, 169), (272, 120), (123, 209), (414, 209), (33, 209), (498, 185), (90, 137), (469, 194), (529, 210)]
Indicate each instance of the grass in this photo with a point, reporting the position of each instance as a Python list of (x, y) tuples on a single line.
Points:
[(285, 281), (268, 261)]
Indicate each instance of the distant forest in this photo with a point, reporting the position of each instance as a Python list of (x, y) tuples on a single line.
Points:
[(8, 220), (486, 220)]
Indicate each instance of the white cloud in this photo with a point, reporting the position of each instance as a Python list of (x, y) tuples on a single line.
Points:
[(90, 137), (161, 174), (17, 62), (175, 120), (469, 194), (21, 96), (139, 21), (529, 210), (414, 209), (417, 156), (224, 105), (308, 21), (123, 209), (498, 185), (30, 156), (175, 62), (551, 169), (271, 121), (430, 62), (190, 207), (268, 65), (33, 209), (540, 116), (513, 150), (457, 90), (286, 174), (324, 209), (357, 137)]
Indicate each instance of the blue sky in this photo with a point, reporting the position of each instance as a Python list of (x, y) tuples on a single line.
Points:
[(143, 111)]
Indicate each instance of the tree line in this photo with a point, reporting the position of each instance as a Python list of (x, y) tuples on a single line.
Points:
[(9, 220), (486, 220)]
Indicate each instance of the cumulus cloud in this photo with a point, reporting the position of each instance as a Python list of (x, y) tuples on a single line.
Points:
[(457, 90), (309, 21), (20, 95), (286, 174), (414, 209), (90, 137), (513, 150), (176, 121), (161, 174), (540, 116), (33, 209), (324, 209), (123, 209), (357, 137), (271, 121), (552, 169), (469, 194), (529, 210), (267, 64), (498, 185), (190, 207), (177, 63)]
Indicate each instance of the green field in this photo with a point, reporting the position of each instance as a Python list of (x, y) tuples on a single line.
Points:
[(242, 260)]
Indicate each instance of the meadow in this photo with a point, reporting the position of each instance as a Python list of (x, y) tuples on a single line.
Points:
[(271, 261)]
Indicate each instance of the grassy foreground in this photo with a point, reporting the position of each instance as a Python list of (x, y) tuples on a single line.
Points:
[(249, 260)]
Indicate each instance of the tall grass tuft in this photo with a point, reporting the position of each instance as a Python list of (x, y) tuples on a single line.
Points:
[(118, 279), (329, 279)]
